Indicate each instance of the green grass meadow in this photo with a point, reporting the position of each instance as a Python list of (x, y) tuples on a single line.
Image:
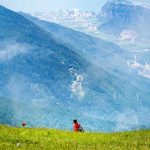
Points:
[(12, 138)]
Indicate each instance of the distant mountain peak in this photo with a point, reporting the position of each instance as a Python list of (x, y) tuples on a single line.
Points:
[(119, 1)]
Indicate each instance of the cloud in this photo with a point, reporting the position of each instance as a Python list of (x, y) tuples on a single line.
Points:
[(9, 51), (143, 70), (128, 34)]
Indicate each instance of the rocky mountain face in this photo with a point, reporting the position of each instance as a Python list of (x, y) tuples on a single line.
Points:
[(124, 16)]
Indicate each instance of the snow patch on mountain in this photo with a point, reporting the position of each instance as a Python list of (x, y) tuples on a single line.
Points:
[(145, 4), (76, 86)]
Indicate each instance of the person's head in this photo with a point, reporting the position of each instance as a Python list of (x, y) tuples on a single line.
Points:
[(75, 121)]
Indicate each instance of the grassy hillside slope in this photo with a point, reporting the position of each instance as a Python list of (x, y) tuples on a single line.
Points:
[(49, 139)]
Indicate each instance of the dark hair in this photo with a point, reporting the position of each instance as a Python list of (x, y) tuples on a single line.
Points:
[(75, 121)]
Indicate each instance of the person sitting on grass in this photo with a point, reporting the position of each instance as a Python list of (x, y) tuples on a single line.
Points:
[(77, 127)]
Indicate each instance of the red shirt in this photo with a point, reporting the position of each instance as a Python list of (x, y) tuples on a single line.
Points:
[(23, 124), (76, 127)]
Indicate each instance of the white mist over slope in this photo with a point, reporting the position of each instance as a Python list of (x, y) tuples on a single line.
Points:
[(9, 50)]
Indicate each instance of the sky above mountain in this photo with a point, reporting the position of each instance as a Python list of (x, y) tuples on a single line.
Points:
[(47, 5)]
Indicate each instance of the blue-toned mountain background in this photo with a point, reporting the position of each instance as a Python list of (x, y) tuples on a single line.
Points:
[(50, 74)]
